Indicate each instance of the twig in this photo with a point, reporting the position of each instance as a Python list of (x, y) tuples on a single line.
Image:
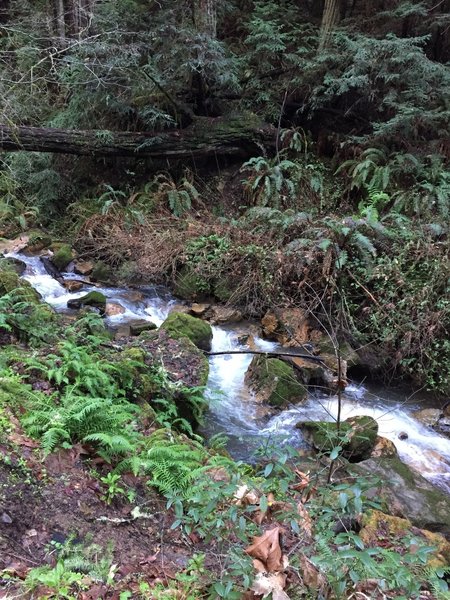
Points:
[(371, 296)]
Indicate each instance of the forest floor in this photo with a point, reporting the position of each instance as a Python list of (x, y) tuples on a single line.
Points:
[(46, 504)]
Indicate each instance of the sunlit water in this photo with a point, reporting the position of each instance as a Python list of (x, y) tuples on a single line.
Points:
[(233, 409)]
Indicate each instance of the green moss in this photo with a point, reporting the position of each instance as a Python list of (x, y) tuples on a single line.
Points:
[(137, 327), (223, 290), (62, 257), (357, 436), (275, 381), (191, 286), (133, 354), (10, 281), (95, 299), (102, 272), (38, 240), (376, 524), (180, 325)]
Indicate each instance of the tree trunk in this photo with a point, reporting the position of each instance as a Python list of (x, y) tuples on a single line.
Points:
[(330, 18), (205, 17), (60, 20), (240, 135)]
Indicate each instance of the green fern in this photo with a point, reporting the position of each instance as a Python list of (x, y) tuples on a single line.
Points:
[(172, 464)]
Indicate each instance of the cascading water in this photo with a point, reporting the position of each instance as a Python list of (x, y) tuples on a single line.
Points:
[(233, 409)]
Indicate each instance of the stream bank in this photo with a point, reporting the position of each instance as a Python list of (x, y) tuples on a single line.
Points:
[(233, 409), (74, 493)]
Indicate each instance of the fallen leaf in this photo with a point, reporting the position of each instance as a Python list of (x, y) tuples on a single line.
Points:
[(305, 520), (22, 440), (304, 480), (244, 496), (267, 549), (259, 565), (270, 584), (311, 575)]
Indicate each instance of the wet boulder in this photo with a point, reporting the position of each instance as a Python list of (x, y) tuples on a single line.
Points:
[(435, 418), (102, 272), (218, 315), (323, 375), (288, 326), (51, 269), (15, 264), (180, 325), (11, 282), (428, 416), (199, 309), (83, 267), (112, 309), (62, 256), (384, 448), (73, 285), (357, 436), (406, 493), (37, 241), (184, 365), (94, 298), (274, 382), (325, 346), (140, 325)]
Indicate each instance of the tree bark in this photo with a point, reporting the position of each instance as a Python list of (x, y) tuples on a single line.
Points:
[(205, 17), (330, 18), (225, 136)]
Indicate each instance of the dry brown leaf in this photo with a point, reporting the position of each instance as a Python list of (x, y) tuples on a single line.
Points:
[(244, 496), (270, 584), (305, 520), (259, 565), (267, 549), (311, 576), (22, 440), (304, 479)]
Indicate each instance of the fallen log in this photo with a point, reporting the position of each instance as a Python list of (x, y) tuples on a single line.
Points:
[(241, 134)]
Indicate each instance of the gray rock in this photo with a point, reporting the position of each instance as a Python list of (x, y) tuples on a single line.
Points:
[(407, 494)]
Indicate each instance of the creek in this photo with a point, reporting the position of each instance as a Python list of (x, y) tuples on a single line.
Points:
[(233, 410)]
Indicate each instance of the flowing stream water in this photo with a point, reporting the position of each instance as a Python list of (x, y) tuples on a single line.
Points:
[(233, 410)]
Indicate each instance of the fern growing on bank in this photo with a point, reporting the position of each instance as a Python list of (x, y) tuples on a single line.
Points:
[(103, 422)]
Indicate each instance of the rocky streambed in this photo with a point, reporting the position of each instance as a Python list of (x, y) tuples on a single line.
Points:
[(415, 460)]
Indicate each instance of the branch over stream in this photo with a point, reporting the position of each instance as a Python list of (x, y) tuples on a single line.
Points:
[(272, 354)]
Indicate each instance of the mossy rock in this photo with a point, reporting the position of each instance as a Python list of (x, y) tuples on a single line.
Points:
[(37, 241), (406, 493), (274, 382), (14, 264), (183, 362), (94, 298), (141, 325), (377, 526), (102, 272), (62, 257), (191, 286), (223, 290), (326, 346), (356, 436), (11, 282), (180, 325)]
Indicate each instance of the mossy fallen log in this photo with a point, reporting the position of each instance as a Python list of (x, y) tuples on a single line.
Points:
[(241, 134)]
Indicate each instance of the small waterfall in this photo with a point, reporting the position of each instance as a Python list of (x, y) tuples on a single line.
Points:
[(233, 409)]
